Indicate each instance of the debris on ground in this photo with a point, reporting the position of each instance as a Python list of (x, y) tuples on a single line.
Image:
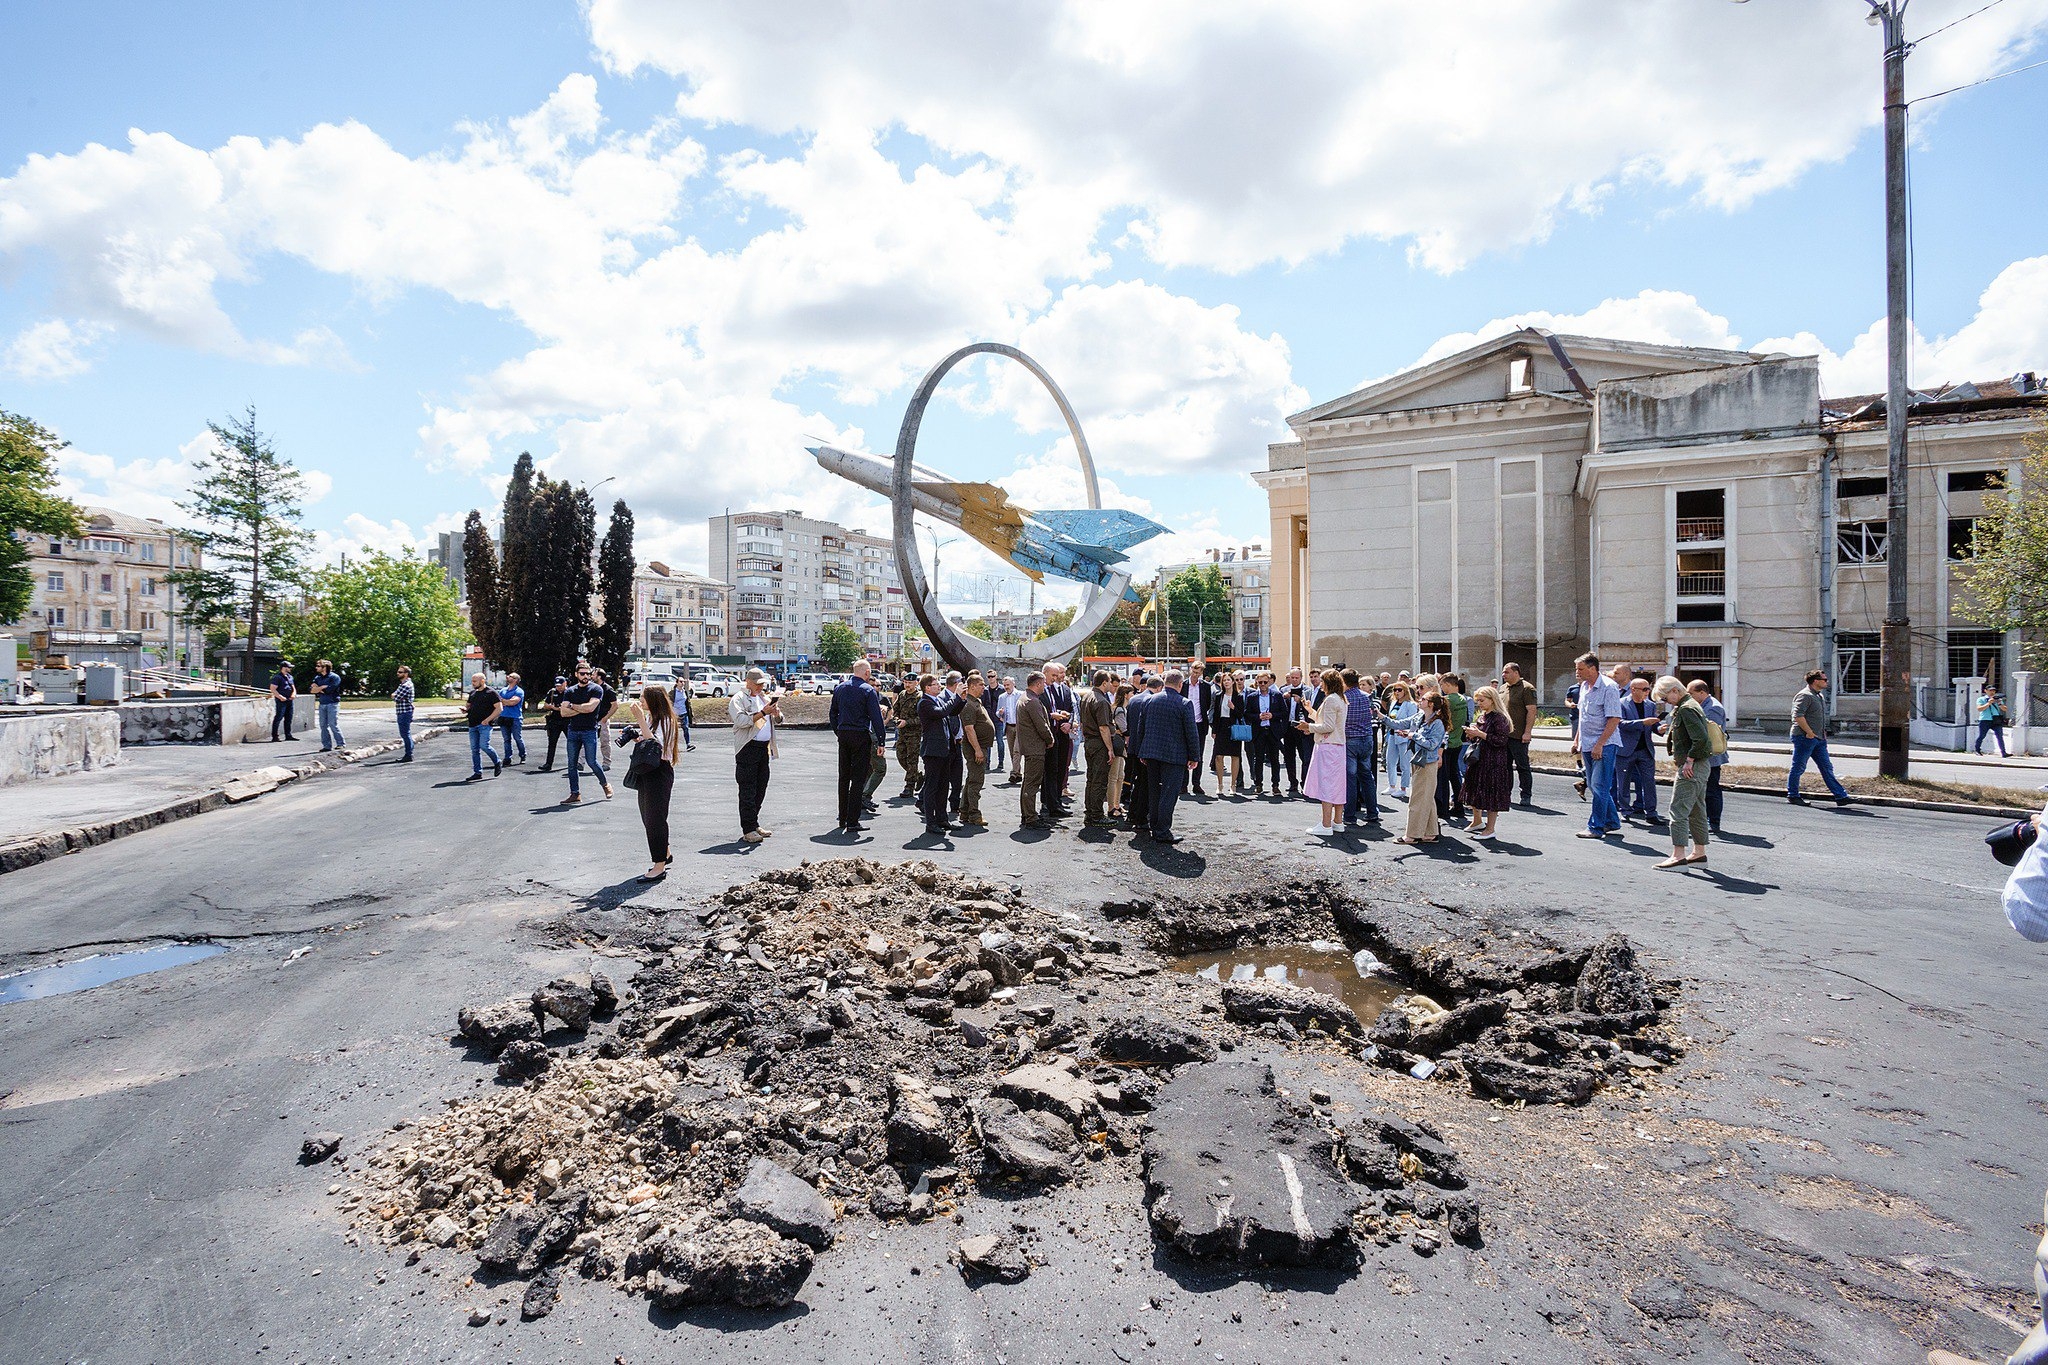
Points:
[(318, 1147), (853, 1041)]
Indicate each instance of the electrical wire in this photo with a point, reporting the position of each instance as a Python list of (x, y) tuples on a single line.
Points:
[(2031, 66), (1953, 22)]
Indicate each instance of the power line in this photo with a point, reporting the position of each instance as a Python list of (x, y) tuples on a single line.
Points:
[(1953, 22), (2031, 66)]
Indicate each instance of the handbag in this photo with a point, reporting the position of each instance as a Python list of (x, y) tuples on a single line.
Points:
[(645, 762), (1240, 733)]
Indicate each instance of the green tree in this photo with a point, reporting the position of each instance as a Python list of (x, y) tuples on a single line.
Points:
[(838, 646), (1198, 608), (522, 532), (28, 505), (2007, 573), (246, 503), (480, 577), (611, 639), (1118, 635), (1055, 622), (979, 628), (377, 613)]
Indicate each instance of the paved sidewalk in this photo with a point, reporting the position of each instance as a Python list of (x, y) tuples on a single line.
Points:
[(1853, 759)]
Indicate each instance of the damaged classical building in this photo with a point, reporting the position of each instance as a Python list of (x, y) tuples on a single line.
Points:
[(1698, 511)]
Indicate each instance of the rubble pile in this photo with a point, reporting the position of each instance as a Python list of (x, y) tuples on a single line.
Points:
[(850, 1041)]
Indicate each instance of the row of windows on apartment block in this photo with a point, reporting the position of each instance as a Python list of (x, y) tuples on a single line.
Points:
[(101, 545), (57, 616), (54, 580)]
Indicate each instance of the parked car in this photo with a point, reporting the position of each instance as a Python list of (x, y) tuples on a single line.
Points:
[(712, 683)]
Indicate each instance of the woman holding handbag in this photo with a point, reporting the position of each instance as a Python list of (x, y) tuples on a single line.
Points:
[(651, 773), (1426, 731), (1232, 729)]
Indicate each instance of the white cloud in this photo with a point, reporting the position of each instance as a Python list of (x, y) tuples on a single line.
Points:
[(1242, 131), (359, 535), (2008, 334), (52, 349)]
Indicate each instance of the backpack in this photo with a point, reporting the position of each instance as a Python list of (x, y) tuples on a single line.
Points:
[(1717, 739)]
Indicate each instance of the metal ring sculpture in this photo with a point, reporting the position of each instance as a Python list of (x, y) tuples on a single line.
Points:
[(956, 648)]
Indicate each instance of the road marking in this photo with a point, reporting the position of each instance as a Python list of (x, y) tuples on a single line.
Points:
[(1301, 1227)]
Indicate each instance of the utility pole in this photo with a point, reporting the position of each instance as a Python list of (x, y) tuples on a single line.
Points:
[(1896, 644)]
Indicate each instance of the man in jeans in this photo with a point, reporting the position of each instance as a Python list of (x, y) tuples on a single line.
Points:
[(482, 713), (1361, 774), (1519, 699), (581, 707), (1006, 738), (401, 708), (326, 686), (1810, 740), (282, 690), (1599, 718), (512, 720)]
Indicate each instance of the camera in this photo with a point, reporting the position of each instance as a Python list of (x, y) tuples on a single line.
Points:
[(2009, 843)]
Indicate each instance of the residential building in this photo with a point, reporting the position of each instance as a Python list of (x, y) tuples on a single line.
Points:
[(1694, 511), (104, 596), (678, 614), (790, 574), (1017, 625), (1248, 573)]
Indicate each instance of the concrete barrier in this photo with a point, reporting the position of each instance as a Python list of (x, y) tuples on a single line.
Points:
[(38, 743), (208, 720)]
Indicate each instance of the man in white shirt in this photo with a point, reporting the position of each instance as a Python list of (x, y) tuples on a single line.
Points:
[(754, 714), (1006, 721)]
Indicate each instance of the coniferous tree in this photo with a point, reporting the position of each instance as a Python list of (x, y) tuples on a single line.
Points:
[(612, 638), (519, 559), (246, 500), (480, 577)]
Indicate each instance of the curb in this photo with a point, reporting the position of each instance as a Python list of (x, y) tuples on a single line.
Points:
[(1901, 802), (41, 848)]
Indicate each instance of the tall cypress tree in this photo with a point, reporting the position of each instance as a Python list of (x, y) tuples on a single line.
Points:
[(480, 577), (612, 639), (521, 560)]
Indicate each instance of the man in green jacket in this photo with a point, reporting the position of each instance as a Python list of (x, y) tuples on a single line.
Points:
[(1692, 750)]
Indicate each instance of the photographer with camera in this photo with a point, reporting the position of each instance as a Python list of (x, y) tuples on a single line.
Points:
[(754, 712), (2020, 847)]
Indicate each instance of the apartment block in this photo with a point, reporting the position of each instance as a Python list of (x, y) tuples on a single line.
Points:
[(790, 574), (104, 596), (678, 614)]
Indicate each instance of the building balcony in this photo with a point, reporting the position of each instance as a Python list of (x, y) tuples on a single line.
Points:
[(1702, 585), (1695, 530)]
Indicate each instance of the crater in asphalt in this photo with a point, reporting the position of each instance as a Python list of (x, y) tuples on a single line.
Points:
[(98, 970), (1321, 965)]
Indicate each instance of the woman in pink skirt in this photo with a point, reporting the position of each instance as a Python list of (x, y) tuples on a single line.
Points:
[(1326, 777)]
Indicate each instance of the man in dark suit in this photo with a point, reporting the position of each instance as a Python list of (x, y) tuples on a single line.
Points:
[(1296, 745), (1202, 695), (1636, 770), (935, 711), (956, 775), (855, 716), (1266, 709), (1163, 737), (1059, 705)]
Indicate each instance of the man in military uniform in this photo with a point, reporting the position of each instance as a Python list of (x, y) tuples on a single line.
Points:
[(978, 730), (909, 734)]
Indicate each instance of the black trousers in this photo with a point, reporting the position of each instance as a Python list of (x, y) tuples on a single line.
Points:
[(931, 796), (1714, 797), (1265, 748), (856, 751), (1295, 746), (281, 714), (655, 790), (555, 726), (750, 767), (1450, 784), (1056, 763), (1520, 753), (956, 776), (1201, 747), (1139, 802)]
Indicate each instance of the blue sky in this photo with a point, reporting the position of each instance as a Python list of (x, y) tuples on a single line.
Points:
[(669, 244)]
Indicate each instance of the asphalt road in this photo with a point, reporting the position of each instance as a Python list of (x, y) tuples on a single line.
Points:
[(1848, 1168)]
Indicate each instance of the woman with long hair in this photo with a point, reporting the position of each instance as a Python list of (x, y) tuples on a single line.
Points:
[(1226, 713), (1120, 731), (1326, 780), (1426, 729), (1490, 770), (658, 723), (1401, 709)]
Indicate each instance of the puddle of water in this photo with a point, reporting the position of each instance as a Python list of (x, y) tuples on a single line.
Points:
[(1325, 967), (88, 972)]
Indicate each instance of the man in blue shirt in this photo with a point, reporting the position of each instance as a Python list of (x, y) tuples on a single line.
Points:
[(1718, 714), (282, 690), (856, 718), (1599, 718), (512, 720), (326, 688), (1636, 761), (1361, 775)]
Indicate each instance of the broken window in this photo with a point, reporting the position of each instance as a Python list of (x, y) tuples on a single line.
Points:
[(1860, 542), (1857, 668), (1863, 488)]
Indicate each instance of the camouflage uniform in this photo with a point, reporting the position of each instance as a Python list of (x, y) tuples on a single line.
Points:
[(909, 734)]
